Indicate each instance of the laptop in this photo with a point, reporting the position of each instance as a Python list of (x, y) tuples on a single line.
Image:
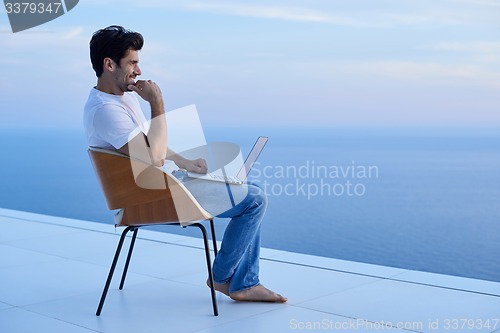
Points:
[(244, 170)]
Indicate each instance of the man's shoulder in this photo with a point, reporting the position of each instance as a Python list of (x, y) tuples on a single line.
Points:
[(98, 99)]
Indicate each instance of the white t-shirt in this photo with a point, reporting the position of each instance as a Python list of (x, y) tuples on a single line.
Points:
[(110, 121)]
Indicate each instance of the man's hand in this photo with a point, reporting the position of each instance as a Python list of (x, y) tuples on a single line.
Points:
[(198, 166), (148, 90)]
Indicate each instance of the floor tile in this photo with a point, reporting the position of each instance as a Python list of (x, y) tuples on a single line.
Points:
[(24, 285), (407, 303), (156, 306), (13, 257), (17, 320), (76, 244), (297, 283), (302, 284), (55, 220), (293, 319), (270, 253), (161, 261), (15, 229), (341, 265), (456, 282), (4, 306)]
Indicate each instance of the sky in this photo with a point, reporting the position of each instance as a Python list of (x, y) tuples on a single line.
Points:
[(272, 63)]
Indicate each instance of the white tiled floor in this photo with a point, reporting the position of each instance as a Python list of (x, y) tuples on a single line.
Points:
[(52, 271), (389, 301)]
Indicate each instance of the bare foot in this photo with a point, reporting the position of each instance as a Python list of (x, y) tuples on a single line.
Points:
[(259, 293), (221, 287)]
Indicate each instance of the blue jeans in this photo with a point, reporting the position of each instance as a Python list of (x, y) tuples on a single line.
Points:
[(237, 262)]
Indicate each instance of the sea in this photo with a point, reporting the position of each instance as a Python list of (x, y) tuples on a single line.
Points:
[(420, 198)]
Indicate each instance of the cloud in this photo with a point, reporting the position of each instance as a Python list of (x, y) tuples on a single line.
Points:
[(73, 33), (265, 11), (28, 40), (275, 12), (481, 53), (423, 48), (487, 3), (33, 55), (361, 14), (288, 13), (432, 72), (426, 74), (471, 47)]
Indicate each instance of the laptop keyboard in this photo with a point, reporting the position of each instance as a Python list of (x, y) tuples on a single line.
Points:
[(227, 178)]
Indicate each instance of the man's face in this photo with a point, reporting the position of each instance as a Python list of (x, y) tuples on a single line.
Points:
[(126, 73)]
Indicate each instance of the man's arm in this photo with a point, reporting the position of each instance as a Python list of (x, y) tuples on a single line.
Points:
[(157, 134), (199, 165)]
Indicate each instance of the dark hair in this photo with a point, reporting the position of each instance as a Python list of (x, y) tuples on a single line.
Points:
[(112, 42)]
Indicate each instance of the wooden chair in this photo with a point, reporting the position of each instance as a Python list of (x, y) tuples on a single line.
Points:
[(145, 195)]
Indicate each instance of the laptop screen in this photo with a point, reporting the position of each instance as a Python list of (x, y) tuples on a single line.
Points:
[(252, 157)]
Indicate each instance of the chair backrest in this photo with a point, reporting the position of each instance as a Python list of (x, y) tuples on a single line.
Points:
[(159, 197)]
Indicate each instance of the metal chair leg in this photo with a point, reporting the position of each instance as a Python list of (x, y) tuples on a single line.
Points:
[(125, 269), (209, 267), (127, 263), (214, 240), (112, 270)]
